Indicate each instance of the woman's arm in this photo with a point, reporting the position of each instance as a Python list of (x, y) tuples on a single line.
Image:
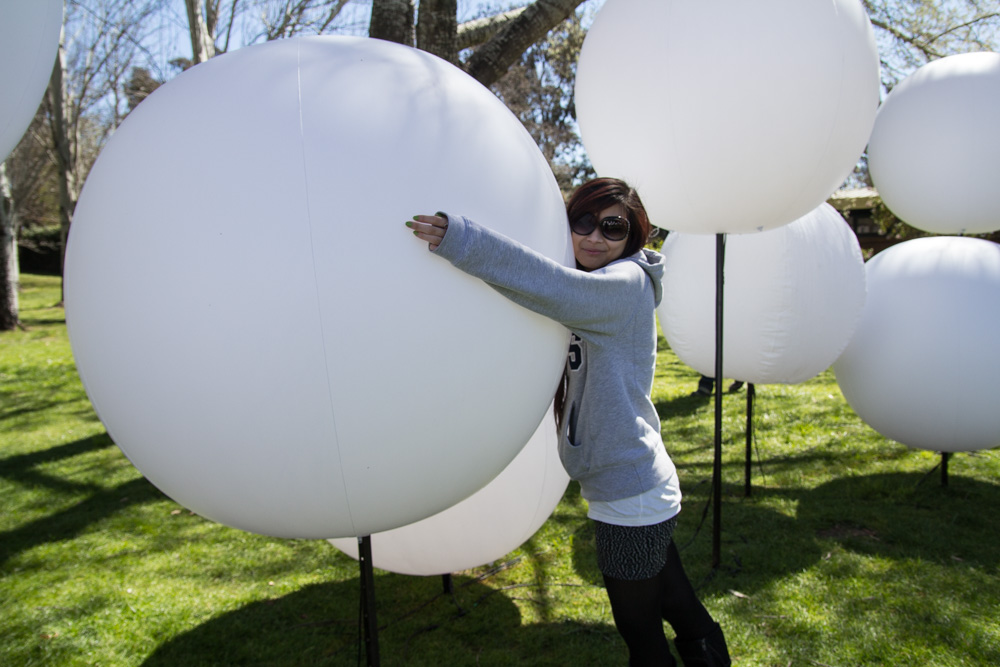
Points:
[(599, 301)]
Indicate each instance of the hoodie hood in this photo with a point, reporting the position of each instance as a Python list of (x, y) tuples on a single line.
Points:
[(652, 263)]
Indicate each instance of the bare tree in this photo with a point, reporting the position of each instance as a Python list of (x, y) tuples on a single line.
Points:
[(491, 60), (86, 99), (912, 33), (287, 18), (66, 142), (8, 254), (202, 18), (26, 180), (437, 31), (392, 20), (498, 42), (211, 23), (539, 89), (477, 31)]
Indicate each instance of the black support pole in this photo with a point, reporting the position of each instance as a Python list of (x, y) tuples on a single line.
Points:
[(720, 259), (368, 617), (751, 394)]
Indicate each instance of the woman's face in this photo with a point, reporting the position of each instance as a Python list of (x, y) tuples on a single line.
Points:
[(593, 251)]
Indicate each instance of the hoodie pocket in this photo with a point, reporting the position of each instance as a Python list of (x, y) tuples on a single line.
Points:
[(571, 432), (571, 452)]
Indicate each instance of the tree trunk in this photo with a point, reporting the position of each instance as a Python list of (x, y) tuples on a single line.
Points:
[(494, 58), (10, 281), (202, 40), (64, 146), (437, 28), (392, 20)]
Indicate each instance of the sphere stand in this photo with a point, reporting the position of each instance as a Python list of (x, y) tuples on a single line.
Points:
[(369, 621), (748, 465), (720, 259)]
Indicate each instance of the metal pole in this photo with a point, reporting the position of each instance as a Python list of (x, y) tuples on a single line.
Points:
[(720, 258), (751, 394), (944, 468), (368, 600)]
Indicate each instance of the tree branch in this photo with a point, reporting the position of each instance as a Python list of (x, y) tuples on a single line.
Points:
[(491, 60), (475, 32)]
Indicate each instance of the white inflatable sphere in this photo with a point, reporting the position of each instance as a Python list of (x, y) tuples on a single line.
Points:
[(933, 150), (487, 525), (728, 116), (793, 297), (922, 367), (257, 329), (29, 40)]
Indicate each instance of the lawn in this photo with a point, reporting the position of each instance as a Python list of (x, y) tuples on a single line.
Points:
[(849, 550)]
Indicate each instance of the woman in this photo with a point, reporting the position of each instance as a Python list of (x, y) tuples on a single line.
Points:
[(609, 429)]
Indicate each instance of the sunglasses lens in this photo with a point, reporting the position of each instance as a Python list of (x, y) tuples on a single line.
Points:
[(584, 225), (614, 229)]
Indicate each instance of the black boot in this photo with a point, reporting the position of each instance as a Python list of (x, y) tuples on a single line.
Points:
[(709, 651)]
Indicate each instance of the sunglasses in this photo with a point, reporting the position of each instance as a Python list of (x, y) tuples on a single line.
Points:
[(613, 227)]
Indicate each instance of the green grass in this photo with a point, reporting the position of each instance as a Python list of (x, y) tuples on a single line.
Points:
[(848, 551)]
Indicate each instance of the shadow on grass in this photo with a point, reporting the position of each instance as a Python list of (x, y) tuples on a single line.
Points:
[(897, 516), (46, 316), (100, 504), (419, 624), (20, 468), (907, 515), (684, 405), (14, 467), (49, 387)]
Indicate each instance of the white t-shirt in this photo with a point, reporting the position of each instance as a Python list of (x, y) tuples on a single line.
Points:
[(646, 509)]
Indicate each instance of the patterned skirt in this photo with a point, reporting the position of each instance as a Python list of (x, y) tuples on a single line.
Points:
[(633, 552)]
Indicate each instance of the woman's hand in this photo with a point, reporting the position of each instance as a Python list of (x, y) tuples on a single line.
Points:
[(430, 228)]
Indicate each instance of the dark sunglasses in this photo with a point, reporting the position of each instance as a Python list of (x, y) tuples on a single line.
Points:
[(613, 227)]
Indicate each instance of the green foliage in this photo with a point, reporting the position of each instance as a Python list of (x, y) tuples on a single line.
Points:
[(848, 551)]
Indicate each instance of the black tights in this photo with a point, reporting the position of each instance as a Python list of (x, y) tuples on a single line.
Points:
[(641, 606)]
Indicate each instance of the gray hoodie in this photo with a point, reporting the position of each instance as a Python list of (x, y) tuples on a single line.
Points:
[(611, 440)]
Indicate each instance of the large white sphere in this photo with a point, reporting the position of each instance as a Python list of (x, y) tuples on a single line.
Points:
[(485, 526), (29, 39), (922, 367), (728, 116), (256, 327), (793, 297), (933, 153)]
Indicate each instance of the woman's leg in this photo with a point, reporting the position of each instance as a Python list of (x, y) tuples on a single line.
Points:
[(640, 607), (630, 558), (699, 641), (680, 606), (636, 606)]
